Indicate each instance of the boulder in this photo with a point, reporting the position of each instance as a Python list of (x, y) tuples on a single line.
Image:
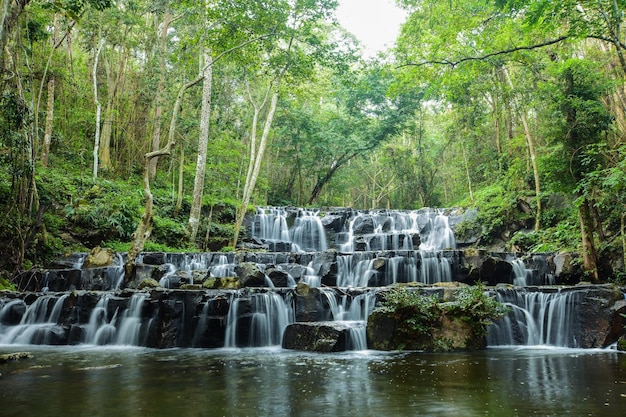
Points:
[(328, 336), (148, 283), (231, 283), (387, 331), (278, 277), (309, 304), (99, 257), (250, 275), (567, 268), (602, 322)]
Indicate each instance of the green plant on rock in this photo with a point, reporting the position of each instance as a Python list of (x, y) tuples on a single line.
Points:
[(429, 322), (475, 306), (419, 311)]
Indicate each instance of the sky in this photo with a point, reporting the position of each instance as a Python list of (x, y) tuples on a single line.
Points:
[(374, 22)]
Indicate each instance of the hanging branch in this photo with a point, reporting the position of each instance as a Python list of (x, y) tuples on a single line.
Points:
[(487, 56)]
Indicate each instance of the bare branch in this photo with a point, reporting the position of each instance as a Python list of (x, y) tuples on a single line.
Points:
[(489, 55)]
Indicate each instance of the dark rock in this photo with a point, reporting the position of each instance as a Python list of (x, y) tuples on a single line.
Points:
[(309, 304), (317, 337), (388, 330), (250, 275), (567, 268), (278, 277), (12, 312), (154, 258), (601, 324)]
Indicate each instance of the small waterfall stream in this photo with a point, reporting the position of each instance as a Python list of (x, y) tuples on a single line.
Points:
[(536, 318)]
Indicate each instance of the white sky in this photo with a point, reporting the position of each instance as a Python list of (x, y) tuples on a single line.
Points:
[(374, 22)]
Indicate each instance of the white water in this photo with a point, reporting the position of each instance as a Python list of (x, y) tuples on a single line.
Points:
[(38, 322), (537, 318), (263, 325)]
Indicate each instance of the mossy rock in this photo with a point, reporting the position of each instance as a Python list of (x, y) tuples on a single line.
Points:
[(225, 283), (148, 283)]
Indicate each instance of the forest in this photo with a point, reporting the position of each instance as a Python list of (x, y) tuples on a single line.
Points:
[(157, 125)]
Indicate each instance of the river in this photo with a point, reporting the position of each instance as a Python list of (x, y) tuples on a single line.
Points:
[(131, 381)]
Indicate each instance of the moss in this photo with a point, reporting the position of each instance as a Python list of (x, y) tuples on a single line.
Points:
[(411, 320)]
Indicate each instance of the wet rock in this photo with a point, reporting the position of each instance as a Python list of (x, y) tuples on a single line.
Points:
[(489, 269), (232, 283), (567, 268), (15, 356), (250, 275), (310, 304), (317, 337), (99, 257), (388, 330), (278, 277), (154, 258), (12, 312), (602, 323), (148, 283)]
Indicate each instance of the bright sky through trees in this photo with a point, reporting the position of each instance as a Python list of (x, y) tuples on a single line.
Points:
[(374, 22)]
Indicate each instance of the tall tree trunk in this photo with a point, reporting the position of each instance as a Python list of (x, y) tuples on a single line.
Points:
[(203, 141), (531, 151), (590, 256), (47, 136), (179, 194), (114, 81), (98, 110), (144, 228), (254, 174), (158, 110)]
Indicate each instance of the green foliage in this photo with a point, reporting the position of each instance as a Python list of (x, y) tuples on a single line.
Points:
[(496, 210), (476, 307), (6, 285), (420, 312)]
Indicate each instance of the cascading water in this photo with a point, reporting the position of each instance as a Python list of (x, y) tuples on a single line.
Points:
[(367, 249), (536, 318), (258, 320), (38, 325)]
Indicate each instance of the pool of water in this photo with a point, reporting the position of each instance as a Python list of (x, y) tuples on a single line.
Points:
[(122, 381)]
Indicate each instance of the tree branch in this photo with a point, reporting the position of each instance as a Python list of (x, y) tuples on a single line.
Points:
[(489, 55)]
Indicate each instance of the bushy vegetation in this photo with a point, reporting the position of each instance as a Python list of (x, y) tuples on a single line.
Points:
[(419, 314)]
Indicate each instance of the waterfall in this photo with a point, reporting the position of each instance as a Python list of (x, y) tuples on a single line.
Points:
[(39, 324), (368, 249), (131, 322), (536, 318), (308, 234), (261, 322)]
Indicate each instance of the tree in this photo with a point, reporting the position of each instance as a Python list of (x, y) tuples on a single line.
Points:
[(582, 124)]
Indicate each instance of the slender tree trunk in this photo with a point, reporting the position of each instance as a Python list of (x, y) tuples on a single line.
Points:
[(98, 110), (253, 175), (203, 141), (158, 110), (590, 256), (179, 194), (114, 81), (531, 151), (467, 173), (47, 137), (144, 228)]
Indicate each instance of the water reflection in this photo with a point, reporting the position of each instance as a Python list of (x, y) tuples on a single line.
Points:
[(251, 382)]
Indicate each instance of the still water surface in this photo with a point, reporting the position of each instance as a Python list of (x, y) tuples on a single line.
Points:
[(116, 381)]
